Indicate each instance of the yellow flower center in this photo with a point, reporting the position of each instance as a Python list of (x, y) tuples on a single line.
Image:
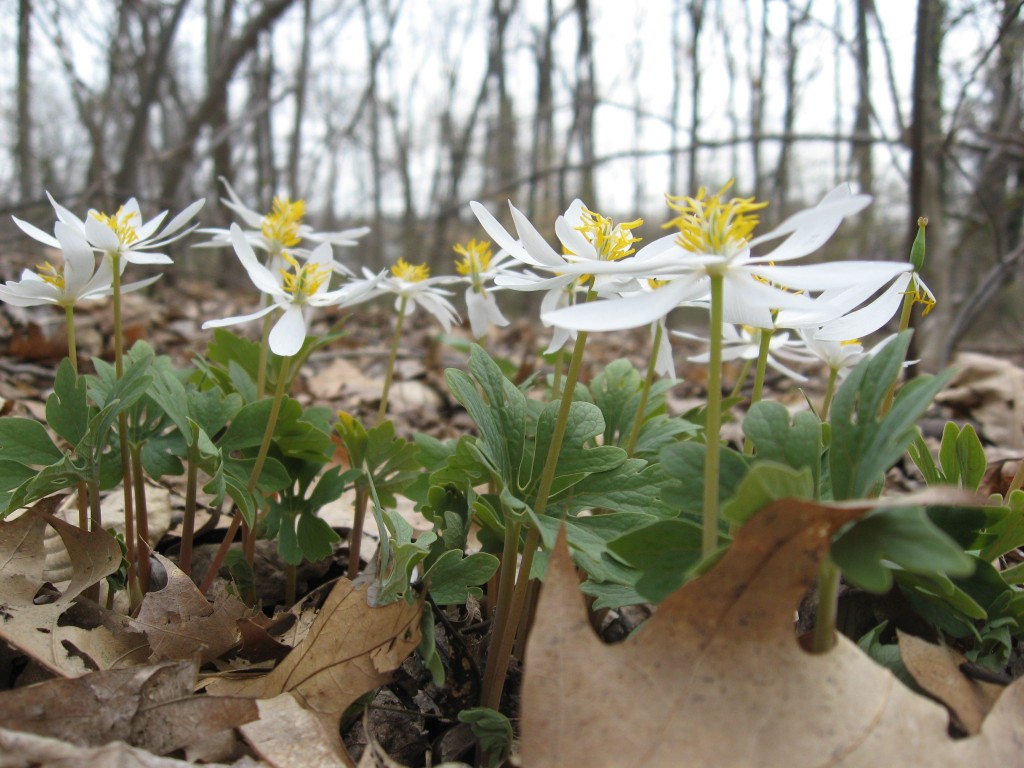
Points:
[(921, 294), (710, 225), (52, 275), (476, 257), (281, 225), (611, 241), (121, 224), (305, 279), (411, 273)]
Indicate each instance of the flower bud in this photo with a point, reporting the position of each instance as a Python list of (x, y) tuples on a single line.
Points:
[(917, 249)]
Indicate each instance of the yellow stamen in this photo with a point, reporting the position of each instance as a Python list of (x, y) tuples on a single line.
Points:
[(52, 275), (849, 342), (476, 257), (305, 279), (121, 224), (710, 226), (281, 225), (612, 242), (411, 273)]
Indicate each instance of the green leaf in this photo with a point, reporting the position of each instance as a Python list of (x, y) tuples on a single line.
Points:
[(315, 537), (886, 654), (1009, 532), (453, 578), (664, 552), (866, 443), (970, 458), (67, 410), (26, 441), (947, 453), (683, 464), (406, 554), (795, 442), (492, 730), (903, 536), (427, 649), (766, 482)]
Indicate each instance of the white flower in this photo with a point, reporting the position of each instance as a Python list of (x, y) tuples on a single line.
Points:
[(714, 239), (280, 230), (124, 237), (292, 292), (77, 279), (874, 315), (478, 266), (413, 287), (744, 343)]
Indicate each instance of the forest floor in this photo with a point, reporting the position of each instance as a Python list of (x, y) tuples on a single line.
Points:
[(409, 717)]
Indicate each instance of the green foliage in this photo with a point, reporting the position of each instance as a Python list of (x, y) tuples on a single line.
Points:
[(795, 443), (866, 442), (293, 517), (492, 730), (377, 456)]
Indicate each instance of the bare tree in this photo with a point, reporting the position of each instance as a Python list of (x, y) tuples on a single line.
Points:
[(796, 17), (301, 86), (23, 159)]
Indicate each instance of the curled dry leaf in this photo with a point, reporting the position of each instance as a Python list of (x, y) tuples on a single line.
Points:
[(272, 737), (32, 625), (717, 678), (350, 649), (936, 668), (181, 623), (151, 707)]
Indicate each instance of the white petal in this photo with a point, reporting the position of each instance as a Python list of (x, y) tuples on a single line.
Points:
[(101, 236), (630, 312), (239, 318), (183, 218), (527, 281), (542, 254), (79, 259), (288, 333), (146, 257), (664, 363), (479, 320), (497, 232), (832, 275), (867, 319), (573, 240), (261, 277), (35, 233), (63, 214)]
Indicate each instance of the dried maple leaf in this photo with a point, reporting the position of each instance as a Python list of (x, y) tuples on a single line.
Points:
[(181, 623), (717, 678), (350, 649)]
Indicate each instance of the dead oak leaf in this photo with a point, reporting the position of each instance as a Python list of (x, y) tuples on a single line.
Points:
[(717, 678), (34, 626), (272, 737), (350, 649), (180, 623), (152, 707), (936, 668)]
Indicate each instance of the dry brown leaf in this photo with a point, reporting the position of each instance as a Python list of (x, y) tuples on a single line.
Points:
[(26, 750), (936, 668), (151, 707), (33, 628), (350, 649), (181, 623), (717, 678), (272, 737)]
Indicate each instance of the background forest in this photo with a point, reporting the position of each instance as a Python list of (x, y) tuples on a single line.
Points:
[(396, 113)]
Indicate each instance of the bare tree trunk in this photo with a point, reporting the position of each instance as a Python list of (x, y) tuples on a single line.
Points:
[(926, 171), (235, 51), (376, 240), (696, 23), (23, 144), (584, 104), (757, 102), (795, 18), (261, 76), (301, 84), (675, 113), (861, 150), (126, 180), (218, 31), (541, 194)]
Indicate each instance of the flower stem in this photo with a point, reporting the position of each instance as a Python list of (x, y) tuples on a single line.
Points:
[(713, 421), (759, 372), (830, 391), (500, 651), (82, 491), (188, 523), (257, 469), (742, 378), (122, 429), (261, 366), (141, 514), (355, 538), (645, 393), (908, 306), (390, 374), (825, 618)]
